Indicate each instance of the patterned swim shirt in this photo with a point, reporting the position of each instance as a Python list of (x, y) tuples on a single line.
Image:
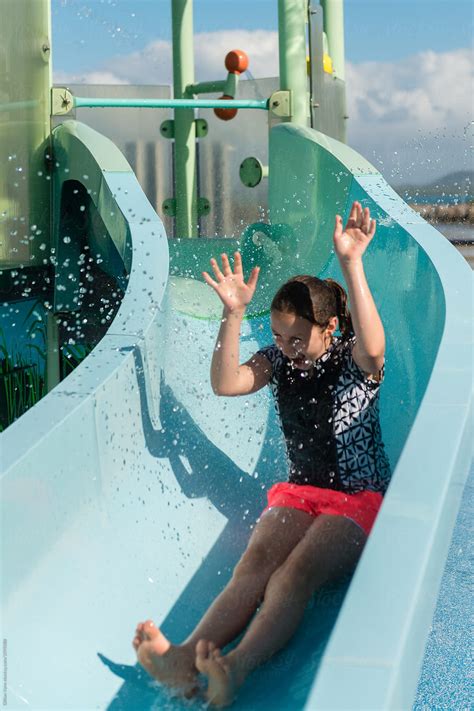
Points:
[(330, 420)]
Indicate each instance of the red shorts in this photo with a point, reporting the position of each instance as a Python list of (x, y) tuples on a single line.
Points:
[(362, 508)]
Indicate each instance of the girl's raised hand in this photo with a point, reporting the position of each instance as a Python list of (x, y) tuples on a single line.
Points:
[(351, 242), (230, 286)]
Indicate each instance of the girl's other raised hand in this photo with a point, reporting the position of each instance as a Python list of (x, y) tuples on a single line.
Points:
[(351, 242), (229, 285)]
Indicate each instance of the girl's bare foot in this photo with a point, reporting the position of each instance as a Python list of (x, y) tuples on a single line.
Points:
[(223, 680), (169, 664)]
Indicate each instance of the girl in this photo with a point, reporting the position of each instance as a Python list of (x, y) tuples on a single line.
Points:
[(315, 525)]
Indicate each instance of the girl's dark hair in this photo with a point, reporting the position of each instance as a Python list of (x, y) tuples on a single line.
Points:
[(316, 300)]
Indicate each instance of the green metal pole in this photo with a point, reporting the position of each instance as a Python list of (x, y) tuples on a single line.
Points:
[(53, 352), (333, 22), (205, 87), (292, 21), (184, 124), (81, 101)]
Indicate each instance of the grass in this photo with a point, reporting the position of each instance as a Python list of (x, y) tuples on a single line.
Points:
[(22, 370), (21, 383)]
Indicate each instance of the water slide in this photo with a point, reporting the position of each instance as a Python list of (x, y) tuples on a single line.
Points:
[(130, 490)]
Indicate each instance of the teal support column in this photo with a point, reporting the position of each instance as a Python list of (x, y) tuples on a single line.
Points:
[(292, 23), (333, 23), (25, 82), (184, 125), (25, 107)]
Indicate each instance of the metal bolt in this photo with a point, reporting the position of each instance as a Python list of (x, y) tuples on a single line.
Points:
[(65, 101), (276, 103), (45, 51)]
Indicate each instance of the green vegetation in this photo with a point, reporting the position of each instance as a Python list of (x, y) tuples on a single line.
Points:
[(21, 384), (23, 369)]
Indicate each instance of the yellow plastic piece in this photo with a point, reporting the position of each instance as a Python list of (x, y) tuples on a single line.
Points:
[(327, 63)]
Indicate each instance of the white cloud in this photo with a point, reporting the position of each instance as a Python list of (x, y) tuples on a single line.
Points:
[(412, 114), (212, 47), (430, 89), (153, 64), (98, 77)]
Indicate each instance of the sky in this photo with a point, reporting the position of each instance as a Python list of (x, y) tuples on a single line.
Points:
[(409, 66)]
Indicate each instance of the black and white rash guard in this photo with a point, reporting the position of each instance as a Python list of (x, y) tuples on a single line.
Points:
[(330, 419)]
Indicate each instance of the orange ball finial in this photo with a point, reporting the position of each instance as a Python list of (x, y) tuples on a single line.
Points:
[(236, 61), (226, 114)]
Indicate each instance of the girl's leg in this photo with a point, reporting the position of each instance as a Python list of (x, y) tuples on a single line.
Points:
[(275, 536), (329, 550)]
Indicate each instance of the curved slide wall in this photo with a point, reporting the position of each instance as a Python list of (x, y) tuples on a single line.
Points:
[(130, 490), (423, 289)]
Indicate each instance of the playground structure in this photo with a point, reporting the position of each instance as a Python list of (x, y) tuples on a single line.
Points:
[(123, 493)]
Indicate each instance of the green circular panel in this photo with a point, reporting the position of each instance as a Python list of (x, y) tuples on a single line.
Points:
[(251, 172)]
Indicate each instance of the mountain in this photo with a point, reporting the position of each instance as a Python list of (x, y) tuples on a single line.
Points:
[(458, 185)]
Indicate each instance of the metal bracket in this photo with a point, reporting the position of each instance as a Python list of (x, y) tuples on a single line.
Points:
[(280, 104), (46, 50), (203, 206), (167, 128), (169, 207), (202, 128), (62, 101), (231, 84)]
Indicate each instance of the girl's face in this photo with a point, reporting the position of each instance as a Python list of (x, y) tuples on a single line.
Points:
[(300, 340)]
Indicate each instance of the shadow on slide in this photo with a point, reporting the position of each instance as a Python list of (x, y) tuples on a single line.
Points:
[(240, 500)]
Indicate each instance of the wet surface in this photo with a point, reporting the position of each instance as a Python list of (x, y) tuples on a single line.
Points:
[(446, 676)]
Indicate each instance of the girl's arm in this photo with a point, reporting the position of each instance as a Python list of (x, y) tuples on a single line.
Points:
[(227, 376), (350, 245)]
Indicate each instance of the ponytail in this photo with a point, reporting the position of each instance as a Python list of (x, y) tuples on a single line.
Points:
[(342, 311)]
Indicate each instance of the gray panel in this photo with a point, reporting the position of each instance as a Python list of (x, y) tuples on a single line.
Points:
[(328, 94), (228, 143)]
